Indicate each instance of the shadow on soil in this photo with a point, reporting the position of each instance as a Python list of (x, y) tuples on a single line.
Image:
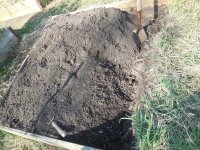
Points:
[(115, 134), (45, 106)]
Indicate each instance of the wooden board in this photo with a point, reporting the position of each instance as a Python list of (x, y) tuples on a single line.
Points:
[(47, 140), (19, 8)]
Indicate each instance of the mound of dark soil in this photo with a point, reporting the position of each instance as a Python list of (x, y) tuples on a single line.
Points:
[(79, 72)]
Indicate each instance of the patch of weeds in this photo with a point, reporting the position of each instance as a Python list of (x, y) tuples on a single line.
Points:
[(169, 120), (198, 19), (10, 142), (15, 142), (43, 3), (168, 116), (1, 32), (66, 6), (166, 40), (2, 136), (92, 2), (5, 67), (148, 131)]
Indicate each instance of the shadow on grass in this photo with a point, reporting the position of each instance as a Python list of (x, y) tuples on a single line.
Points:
[(5, 67), (35, 21)]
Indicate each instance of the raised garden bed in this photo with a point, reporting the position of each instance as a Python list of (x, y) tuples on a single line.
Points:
[(81, 71)]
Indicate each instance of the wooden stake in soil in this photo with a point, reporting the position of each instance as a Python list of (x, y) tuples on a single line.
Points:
[(57, 128)]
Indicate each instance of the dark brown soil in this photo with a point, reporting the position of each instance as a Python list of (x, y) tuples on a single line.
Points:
[(80, 71)]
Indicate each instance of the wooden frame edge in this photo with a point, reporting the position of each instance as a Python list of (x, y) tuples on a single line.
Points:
[(46, 140)]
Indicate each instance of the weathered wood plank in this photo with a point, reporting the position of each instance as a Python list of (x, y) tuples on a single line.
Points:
[(19, 8), (47, 140)]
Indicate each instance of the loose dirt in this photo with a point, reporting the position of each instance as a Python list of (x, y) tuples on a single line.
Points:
[(81, 73)]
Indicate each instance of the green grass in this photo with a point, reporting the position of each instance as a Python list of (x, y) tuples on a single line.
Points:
[(12, 142), (168, 116), (2, 136), (5, 67), (43, 3), (33, 24), (169, 121), (1, 32), (4, 4), (92, 2)]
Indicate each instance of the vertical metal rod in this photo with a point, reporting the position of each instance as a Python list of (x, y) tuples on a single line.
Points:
[(155, 9), (139, 13)]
